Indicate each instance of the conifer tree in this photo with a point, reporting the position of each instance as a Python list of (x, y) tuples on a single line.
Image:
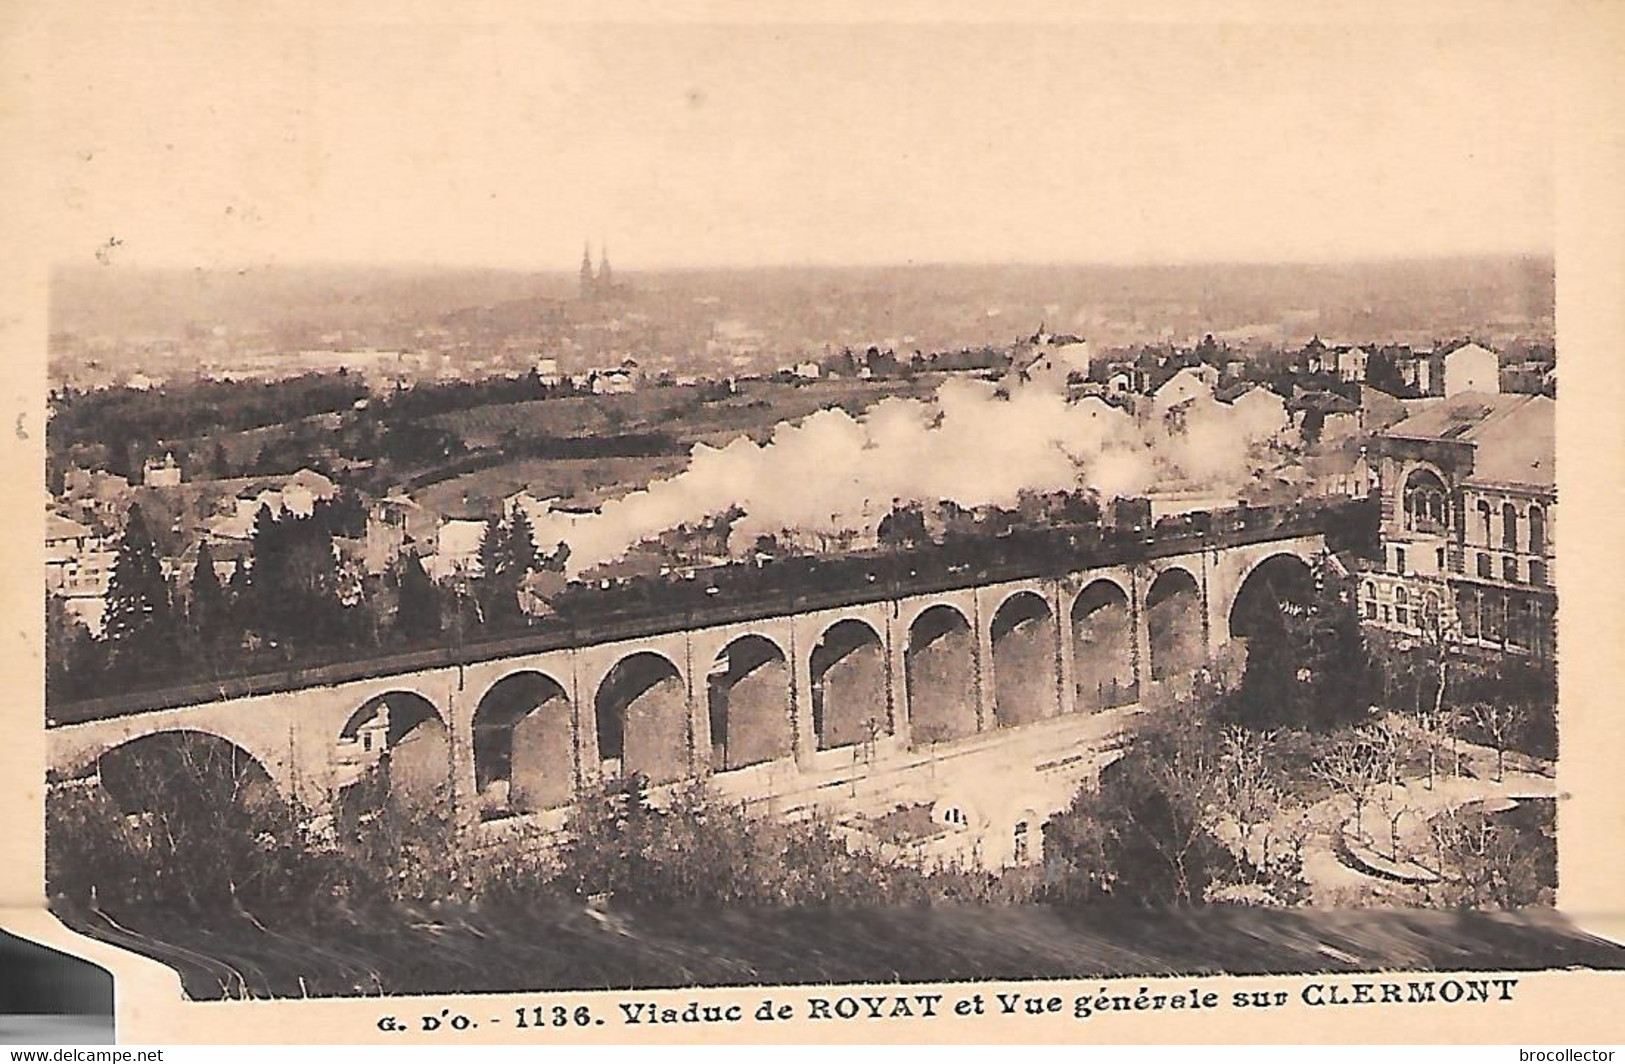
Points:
[(418, 612), (139, 623), (521, 543), (206, 615)]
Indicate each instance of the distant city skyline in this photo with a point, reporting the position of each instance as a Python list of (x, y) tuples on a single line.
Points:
[(699, 146)]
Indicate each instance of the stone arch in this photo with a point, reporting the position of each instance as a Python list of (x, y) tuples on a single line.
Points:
[(400, 740), (524, 745), (748, 702), (848, 667), (1023, 632), (152, 771), (1173, 619), (1103, 646), (939, 673), (641, 711), (1281, 581)]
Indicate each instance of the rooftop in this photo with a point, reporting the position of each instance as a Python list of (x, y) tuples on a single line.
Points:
[(1514, 436)]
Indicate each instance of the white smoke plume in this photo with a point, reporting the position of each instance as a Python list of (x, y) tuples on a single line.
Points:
[(832, 473)]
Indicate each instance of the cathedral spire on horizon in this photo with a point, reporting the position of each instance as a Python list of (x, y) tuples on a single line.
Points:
[(597, 284)]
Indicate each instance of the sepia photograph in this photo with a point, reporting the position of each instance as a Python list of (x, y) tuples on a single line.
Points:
[(593, 505)]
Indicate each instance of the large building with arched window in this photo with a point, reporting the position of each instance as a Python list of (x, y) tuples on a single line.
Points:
[(1469, 500)]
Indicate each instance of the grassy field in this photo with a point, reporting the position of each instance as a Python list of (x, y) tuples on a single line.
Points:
[(558, 945), (588, 480), (678, 411)]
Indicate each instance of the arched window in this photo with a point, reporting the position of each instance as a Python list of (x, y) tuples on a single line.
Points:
[(1425, 503), (1509, 526), (1401, 596), (1484, 521), (1537, 530)]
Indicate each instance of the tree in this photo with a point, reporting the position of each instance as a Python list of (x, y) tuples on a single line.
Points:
[(1486, 861), (493, 550), (1497, 721), (521, 543), (1270, 693), (1143, 836), (1307, 664), (501, 572), (1339, 674), (1354, 769), (140, 626), (70, 650), (903, 527), (418, 615), (206, 600), (1382, 373)]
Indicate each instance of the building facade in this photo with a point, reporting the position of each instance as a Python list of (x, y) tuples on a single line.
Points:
[(1469, 503)]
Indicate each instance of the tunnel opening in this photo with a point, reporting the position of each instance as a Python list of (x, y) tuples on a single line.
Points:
[(1025, 664), (939, 668), (1103, 647), (849, 686), (524, 751), (748, 704), (1173, 608), (642, 719)]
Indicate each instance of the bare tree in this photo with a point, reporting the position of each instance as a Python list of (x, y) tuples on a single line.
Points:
[(1354, 768), (1498, 720), (1249, 789)]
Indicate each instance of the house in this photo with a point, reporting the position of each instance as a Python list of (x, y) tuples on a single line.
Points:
[(547, 370), (1052, 362), (538, 590), (617, 381), (1261, 410), (165, 473), (96, 496), (295, 495), (301, 491), (1471, 368), (228, 557), (1183, 385), (396, 524), (1379, 410), (807, 370), (1323, 416), (1346, 362), (456, 549), (1343, 470), (78, 569)]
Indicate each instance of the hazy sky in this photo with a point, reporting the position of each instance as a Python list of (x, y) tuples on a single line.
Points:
[(208, 141)]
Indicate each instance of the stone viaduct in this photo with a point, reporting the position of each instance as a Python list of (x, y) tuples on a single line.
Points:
[(1020, 683)]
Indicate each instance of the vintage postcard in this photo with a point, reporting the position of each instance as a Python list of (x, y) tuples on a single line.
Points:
[(817, 522)]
